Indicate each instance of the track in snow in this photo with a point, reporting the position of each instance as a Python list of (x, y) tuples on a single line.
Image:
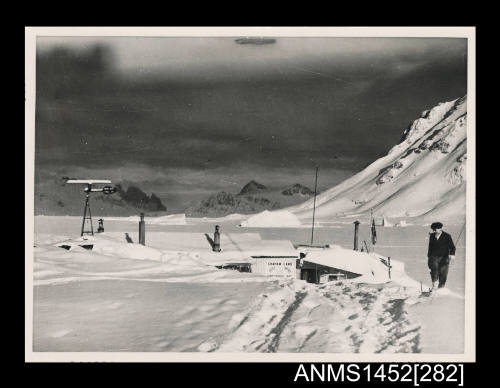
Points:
[(334, 318)]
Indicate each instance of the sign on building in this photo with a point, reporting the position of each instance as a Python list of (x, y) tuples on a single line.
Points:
[(274, 266)]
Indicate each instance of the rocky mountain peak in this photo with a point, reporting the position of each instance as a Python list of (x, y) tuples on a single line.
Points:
[(297, 188), (423, 176), (252, 187)]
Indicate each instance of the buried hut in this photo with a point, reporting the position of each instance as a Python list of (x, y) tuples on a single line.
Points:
[(332, 262)]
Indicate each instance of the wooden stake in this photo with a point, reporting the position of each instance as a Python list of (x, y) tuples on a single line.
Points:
[(356, 227), (142, 230)]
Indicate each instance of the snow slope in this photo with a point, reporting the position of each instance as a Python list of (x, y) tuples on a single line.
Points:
[(424, 176)]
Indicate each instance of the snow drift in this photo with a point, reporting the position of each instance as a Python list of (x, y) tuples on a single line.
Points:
[(171, 219), (273, 219)]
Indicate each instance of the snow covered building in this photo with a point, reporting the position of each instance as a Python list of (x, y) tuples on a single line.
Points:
[(246, 252), (313, 272), (274, 265), (321, 265)]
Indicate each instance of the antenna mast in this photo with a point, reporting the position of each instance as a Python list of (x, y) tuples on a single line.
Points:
[(314, 205), (87, 215)]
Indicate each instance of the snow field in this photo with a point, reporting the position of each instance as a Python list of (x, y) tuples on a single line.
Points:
[(119, 300), (119, 315)]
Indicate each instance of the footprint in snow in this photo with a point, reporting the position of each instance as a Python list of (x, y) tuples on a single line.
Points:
[(208, 346), (162, 344), (60, 333), (310, 304), (187, 310), (114, 305), (304, 331), (160, 310)]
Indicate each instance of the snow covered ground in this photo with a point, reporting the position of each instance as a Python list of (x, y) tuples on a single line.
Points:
[(273, 219), (126, 297)]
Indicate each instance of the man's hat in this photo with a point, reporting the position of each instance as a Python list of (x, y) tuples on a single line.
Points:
[(436, 225)]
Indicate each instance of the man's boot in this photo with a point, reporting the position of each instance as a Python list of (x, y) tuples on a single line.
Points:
[(435, 285)]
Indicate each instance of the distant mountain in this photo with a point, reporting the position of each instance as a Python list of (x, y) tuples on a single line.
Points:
[(137, 198), (252, 187), (422, 177), (54, 197), (254, 197), (298, 189)]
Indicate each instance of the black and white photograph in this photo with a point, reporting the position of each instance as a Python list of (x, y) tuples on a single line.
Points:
[(250, 194)]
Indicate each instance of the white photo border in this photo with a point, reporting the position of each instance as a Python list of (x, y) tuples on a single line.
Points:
[(31, 34)]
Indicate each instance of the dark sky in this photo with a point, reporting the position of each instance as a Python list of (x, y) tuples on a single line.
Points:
[(189, 116)]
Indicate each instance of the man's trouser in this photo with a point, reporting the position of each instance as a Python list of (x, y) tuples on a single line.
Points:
[(439, 269)]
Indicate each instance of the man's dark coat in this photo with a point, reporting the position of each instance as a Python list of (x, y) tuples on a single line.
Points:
[(442, 247)]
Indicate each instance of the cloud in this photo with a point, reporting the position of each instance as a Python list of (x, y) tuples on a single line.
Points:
[(218, 113), (266, 122), (217, 58)]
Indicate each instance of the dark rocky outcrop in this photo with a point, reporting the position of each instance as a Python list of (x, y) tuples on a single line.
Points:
[(252, 198), (252, 187), (53, 196), (139, 199), (440, 145), (298, 189)]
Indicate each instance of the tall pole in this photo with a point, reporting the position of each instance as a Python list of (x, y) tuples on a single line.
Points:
[(356, 227), (90, 218), (314, 205), (142, 230)]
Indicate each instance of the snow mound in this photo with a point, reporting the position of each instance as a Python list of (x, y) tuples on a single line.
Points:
[(234, 216), (272, 219), (111, 247), (171, 219)]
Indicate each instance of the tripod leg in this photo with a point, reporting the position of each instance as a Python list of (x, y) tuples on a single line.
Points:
[(84, 214), (90, 219)]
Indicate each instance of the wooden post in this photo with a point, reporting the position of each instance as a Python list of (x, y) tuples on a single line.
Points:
[(389, 264), (142, 230), (356, 228), (216, 239)]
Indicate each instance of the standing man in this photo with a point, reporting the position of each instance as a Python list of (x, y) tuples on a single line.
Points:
[(441, 251)]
